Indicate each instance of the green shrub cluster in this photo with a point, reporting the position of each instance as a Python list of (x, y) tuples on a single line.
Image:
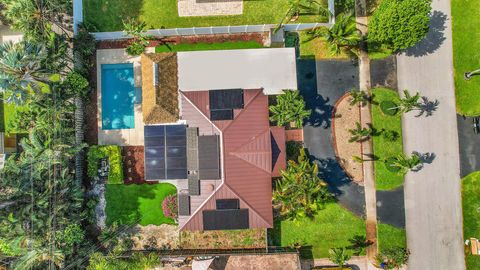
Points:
[(114, 154)]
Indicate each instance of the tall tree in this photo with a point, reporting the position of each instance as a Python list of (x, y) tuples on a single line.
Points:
[(400, 24), (343, 36), (409, 102), (300, 192), (290, 107)]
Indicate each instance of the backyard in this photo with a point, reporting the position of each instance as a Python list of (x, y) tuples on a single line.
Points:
[(107, 15), (184, 47), (331, 227), (383, 147), (471, 215), (466, 54), (137, 204)]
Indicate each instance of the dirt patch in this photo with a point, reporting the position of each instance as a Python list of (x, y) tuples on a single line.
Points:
[(252, 238), (154, 237), (123, 43), (345, 117), (133, 164)]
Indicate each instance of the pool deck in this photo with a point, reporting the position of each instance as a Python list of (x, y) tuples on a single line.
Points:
[(122, 137)]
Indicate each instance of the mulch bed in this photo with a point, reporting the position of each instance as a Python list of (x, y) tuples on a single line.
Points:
[(134, 164), (123, 43), (91, 126), (228, 239)]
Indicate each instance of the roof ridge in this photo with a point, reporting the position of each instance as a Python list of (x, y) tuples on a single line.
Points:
[(198, 110), (237, 153), (244, 108)]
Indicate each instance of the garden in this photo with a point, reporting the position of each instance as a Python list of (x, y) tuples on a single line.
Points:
[(107, 15)]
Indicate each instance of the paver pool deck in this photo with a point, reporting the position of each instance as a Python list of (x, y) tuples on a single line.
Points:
[(122, 137)]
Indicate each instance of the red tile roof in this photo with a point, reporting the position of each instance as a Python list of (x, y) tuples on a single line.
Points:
[(247, 160)]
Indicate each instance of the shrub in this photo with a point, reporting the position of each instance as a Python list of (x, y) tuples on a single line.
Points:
[(170, 206), (400, 24), (389, 107), (390, 135), (76, 83), (290, 107), (135, 49), (137, 31), (114, 154)]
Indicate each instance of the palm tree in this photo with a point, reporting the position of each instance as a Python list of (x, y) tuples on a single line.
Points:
[(290, 107), (297, 8), (339, 256), (358, 97), (22, 70), (37, 18), (300, 192), (343, 36), (405, 163), (360, 134), (468, 75), (358, 243), (408, 102)]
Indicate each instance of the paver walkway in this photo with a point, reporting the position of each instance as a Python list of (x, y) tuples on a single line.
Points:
[(432, 195)]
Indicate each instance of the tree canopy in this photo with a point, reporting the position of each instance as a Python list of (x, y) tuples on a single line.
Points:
[(400, 24)]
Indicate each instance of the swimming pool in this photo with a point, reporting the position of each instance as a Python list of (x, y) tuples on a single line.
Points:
[(118, 96)]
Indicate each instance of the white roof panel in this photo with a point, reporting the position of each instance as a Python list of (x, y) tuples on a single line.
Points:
[(272, 69)]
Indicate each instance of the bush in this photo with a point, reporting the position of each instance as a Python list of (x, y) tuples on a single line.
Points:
[(290, 107), (76, 83), (400, 24), (389, 107), (114, 154), (390, 165), (170, 207), (390, 135)]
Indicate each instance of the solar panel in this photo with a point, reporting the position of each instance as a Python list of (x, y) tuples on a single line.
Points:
[(224, 114), (226, 99), (165, 152), (209, 157), (225, 219), (224, 204)]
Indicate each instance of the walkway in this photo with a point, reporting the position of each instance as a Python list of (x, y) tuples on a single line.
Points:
[(432, 195)]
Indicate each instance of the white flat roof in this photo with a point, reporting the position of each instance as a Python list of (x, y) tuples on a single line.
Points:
[(272, 69)]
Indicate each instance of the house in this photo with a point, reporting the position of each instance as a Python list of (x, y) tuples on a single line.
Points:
[(205, 125)]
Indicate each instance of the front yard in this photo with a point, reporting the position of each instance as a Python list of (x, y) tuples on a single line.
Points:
[(137, 204), (383, 148), (471, 214), (466, 54), (332, 227), (107, 15), (390, 237)]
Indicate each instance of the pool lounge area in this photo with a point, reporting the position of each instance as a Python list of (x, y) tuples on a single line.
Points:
[(119, 116)]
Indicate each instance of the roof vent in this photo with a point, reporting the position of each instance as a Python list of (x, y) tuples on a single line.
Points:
[(155, 74)]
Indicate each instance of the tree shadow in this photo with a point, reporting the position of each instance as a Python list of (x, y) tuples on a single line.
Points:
[(427, 107), (425, 158), (434, 38)]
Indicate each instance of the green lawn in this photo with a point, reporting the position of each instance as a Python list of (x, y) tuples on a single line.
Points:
[(137, 204), (316, 48), (471, 215), (184, 47), (382, 148), (466, 54), (389, 236), (332, 227), (107, 15)]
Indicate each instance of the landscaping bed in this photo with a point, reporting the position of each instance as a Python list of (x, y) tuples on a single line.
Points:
[(384, 148), (134, 164), (113, 153), (471, 214), (229, 239), (466, 55), (107, 15), (208, 46), (345, 118), (331, 227), (137, 204)]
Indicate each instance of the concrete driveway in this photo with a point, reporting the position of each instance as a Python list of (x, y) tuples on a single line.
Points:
[(432, 195)]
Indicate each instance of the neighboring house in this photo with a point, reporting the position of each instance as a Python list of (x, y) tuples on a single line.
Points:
[(205, 126)]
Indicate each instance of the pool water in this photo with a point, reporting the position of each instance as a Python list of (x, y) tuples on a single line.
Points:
[(118, 96)]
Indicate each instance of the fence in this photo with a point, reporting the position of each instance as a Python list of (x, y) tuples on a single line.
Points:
[(193, 31)]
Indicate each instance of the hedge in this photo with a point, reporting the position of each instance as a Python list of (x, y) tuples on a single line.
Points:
[(114, 154)]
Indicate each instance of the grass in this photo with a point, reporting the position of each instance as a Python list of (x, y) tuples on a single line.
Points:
[(107, 15), (184, 47), (137, 204), (471, 215), (332, 227), (466, 54), (383, 148), (378, 51), (389, 236), (316, 48)]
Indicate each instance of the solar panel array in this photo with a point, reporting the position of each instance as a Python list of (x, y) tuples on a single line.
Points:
[(222, 103), (165, 152)]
